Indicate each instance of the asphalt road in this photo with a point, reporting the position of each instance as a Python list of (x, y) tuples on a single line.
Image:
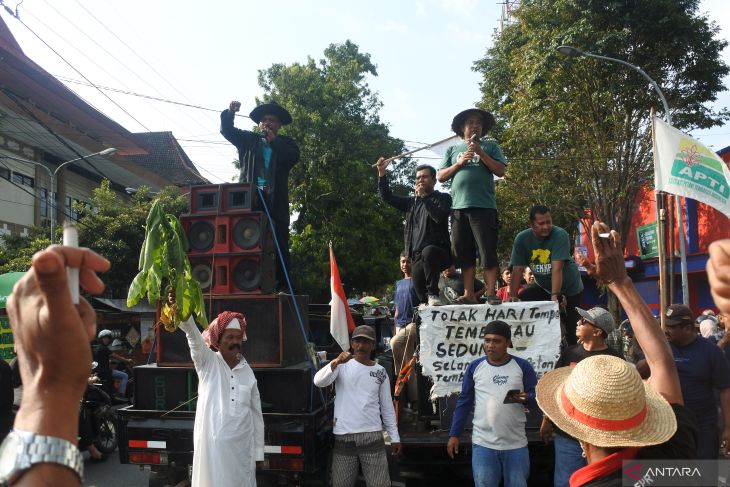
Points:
[(111, 473)]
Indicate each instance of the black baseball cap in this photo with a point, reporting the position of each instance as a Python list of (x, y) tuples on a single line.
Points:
[(499, 328)]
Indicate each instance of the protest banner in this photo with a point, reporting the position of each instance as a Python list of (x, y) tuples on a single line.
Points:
[(452, 336)]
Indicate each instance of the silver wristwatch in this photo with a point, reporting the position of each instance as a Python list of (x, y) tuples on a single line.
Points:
[(22, 449)]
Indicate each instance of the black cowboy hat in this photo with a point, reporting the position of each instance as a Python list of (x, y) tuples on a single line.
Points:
[(457, 125), (270, 108)]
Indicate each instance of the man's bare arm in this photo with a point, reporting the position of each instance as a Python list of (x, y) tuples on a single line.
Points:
[(610, 268)]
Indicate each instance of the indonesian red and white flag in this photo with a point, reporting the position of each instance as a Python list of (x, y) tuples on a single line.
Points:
[(341, 323)]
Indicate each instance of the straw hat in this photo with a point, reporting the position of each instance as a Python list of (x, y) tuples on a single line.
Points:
[(604, 402)]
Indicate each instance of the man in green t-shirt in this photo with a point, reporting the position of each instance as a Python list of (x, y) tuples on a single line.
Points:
[(472, 164), (546, 249)]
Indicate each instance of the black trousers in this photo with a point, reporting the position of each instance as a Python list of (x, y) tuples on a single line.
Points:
[(568, 316), (426, 267)]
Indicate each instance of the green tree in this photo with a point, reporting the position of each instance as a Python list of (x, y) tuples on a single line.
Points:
[(333, 188), (577, 131), (17, 251)]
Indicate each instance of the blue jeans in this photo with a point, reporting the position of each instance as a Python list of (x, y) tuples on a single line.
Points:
[(568, 459), (489, 466), (123, 378)]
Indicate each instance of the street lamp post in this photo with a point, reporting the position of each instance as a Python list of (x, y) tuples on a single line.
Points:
[(575, 52), (52, 177)]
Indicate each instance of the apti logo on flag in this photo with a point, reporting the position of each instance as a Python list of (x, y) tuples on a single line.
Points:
[(687, 168)]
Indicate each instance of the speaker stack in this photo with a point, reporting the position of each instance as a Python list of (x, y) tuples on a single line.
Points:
[(231, 248), (232, 256)]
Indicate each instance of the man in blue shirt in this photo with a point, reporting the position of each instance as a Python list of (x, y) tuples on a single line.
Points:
[(702, 369), (403, 342), (406, 298), (499, 440)]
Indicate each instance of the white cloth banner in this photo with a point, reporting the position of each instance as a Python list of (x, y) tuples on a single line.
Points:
[(452, 336), (685, 167)]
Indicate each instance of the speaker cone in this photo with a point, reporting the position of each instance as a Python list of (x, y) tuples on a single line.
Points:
[(247, 233), (247, 275), (204, 275), (201, 236)]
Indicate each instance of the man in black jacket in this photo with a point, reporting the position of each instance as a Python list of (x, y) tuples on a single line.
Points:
[(427, 240), (266, 159)]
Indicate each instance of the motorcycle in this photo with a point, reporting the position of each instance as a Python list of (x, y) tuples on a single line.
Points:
[(96, 407)]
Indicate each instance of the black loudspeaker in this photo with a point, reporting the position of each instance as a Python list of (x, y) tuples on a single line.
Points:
[(227, 234), (221, 198), (165, 388), (234, 274), (274, 335), (172, 348), (288, 389)]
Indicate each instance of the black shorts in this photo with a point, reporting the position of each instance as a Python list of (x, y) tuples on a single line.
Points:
[(473, 228)]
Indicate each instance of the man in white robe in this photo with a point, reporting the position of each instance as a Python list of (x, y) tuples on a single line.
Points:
[(229, 426)]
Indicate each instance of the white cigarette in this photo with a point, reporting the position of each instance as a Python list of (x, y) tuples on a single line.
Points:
[(604, 235), (71, 239)]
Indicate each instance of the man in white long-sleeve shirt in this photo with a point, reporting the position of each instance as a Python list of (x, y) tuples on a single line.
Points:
[(362, 405), (229, 426)]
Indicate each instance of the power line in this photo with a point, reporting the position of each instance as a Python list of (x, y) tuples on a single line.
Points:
[(50, 201), (195, 120), (79, 72), (139, 95), (131, 28), (118, 61), (13, 97)]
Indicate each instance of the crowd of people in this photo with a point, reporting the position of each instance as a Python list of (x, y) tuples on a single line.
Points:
[(597, 409)]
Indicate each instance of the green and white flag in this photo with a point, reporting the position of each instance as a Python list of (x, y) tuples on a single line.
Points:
[(687, 168)]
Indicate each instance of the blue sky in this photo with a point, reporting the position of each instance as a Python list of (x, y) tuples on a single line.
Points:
[(207, 54)]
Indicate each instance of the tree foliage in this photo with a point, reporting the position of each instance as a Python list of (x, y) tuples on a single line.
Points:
[(333, 189), (577, 131), (17, 251)]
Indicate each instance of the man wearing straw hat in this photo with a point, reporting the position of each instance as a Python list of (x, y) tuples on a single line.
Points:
[(472, 165), (592, 330), (228, 436), (602, 401)]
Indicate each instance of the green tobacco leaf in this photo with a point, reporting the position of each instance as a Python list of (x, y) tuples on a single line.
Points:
[(200, 305), (154, 282), (152, 236), (176, 248), (179, 284), (186, 306), (137, 289)]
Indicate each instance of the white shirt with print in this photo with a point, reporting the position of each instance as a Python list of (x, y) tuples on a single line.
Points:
[(362, 398)]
